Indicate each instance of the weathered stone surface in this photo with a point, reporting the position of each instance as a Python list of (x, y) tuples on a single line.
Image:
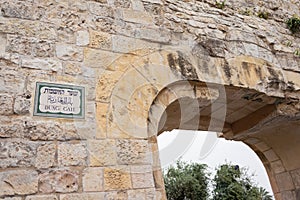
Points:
[(142, 176), (3, 43), (69, 52), (120, 195), (42, 197), (6, 104), (102, 152), (82, 38), (11, 198), (38, 130), (162, 36), (30, 46), (46, 156), (72, 154), (92, 179), (121, 44), (124, 53), (22, 104), (277, 167), (288, 195), (296, 178), (102, 118), (133, 152), (83, 196), (23, 10), (98, 58), (271, 155), (96, 8), (10, 130), (284, 181), (41, 64), (18, 182), (100, 40), (137, 17), (17, 153), (136, 195), (117, 179), (59, 180), (72, 68)]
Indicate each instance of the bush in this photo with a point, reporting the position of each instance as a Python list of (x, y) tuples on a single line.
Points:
[(187, 181), (190, 182), (293, 24)]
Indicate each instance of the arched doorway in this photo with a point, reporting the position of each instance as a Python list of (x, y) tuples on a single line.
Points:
[(149, 91)]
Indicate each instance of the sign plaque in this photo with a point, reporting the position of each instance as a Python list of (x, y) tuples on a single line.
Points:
[(59, 100)]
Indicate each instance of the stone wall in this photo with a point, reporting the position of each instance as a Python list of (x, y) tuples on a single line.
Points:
[(124, 53)]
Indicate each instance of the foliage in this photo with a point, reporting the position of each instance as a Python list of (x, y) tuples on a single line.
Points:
[(297, 52), (190, 182), (293, 24), (233, 183), (220, 5), (187, 181), (263, 14), (247, 12), (264, 194)]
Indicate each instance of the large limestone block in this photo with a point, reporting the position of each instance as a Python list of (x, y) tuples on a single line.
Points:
[(42, 197), (72, 154), (117, 179), (59, 180), (133, 152), (83, 196), (92, 179), (69, 52), (142, 176), (102, 152), (18, 182), (46, 156)]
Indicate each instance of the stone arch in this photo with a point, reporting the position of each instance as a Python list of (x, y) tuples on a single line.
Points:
[(141, 86)]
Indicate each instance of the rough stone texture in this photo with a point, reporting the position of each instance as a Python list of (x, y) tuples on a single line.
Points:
[(60, 180), (17, 153), (71, 154), (11, 198), (136, 195), (38, 130), (102, 152), (129, 55), (46, 156), (69, 52), (83, 196), (18, 182), (117, 179), (82, 38), (133, 152), (121, 195), (296, 178), (284, 181), (42, 197), (6, 104), (142, 177), (22, 104), (92, 180)]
